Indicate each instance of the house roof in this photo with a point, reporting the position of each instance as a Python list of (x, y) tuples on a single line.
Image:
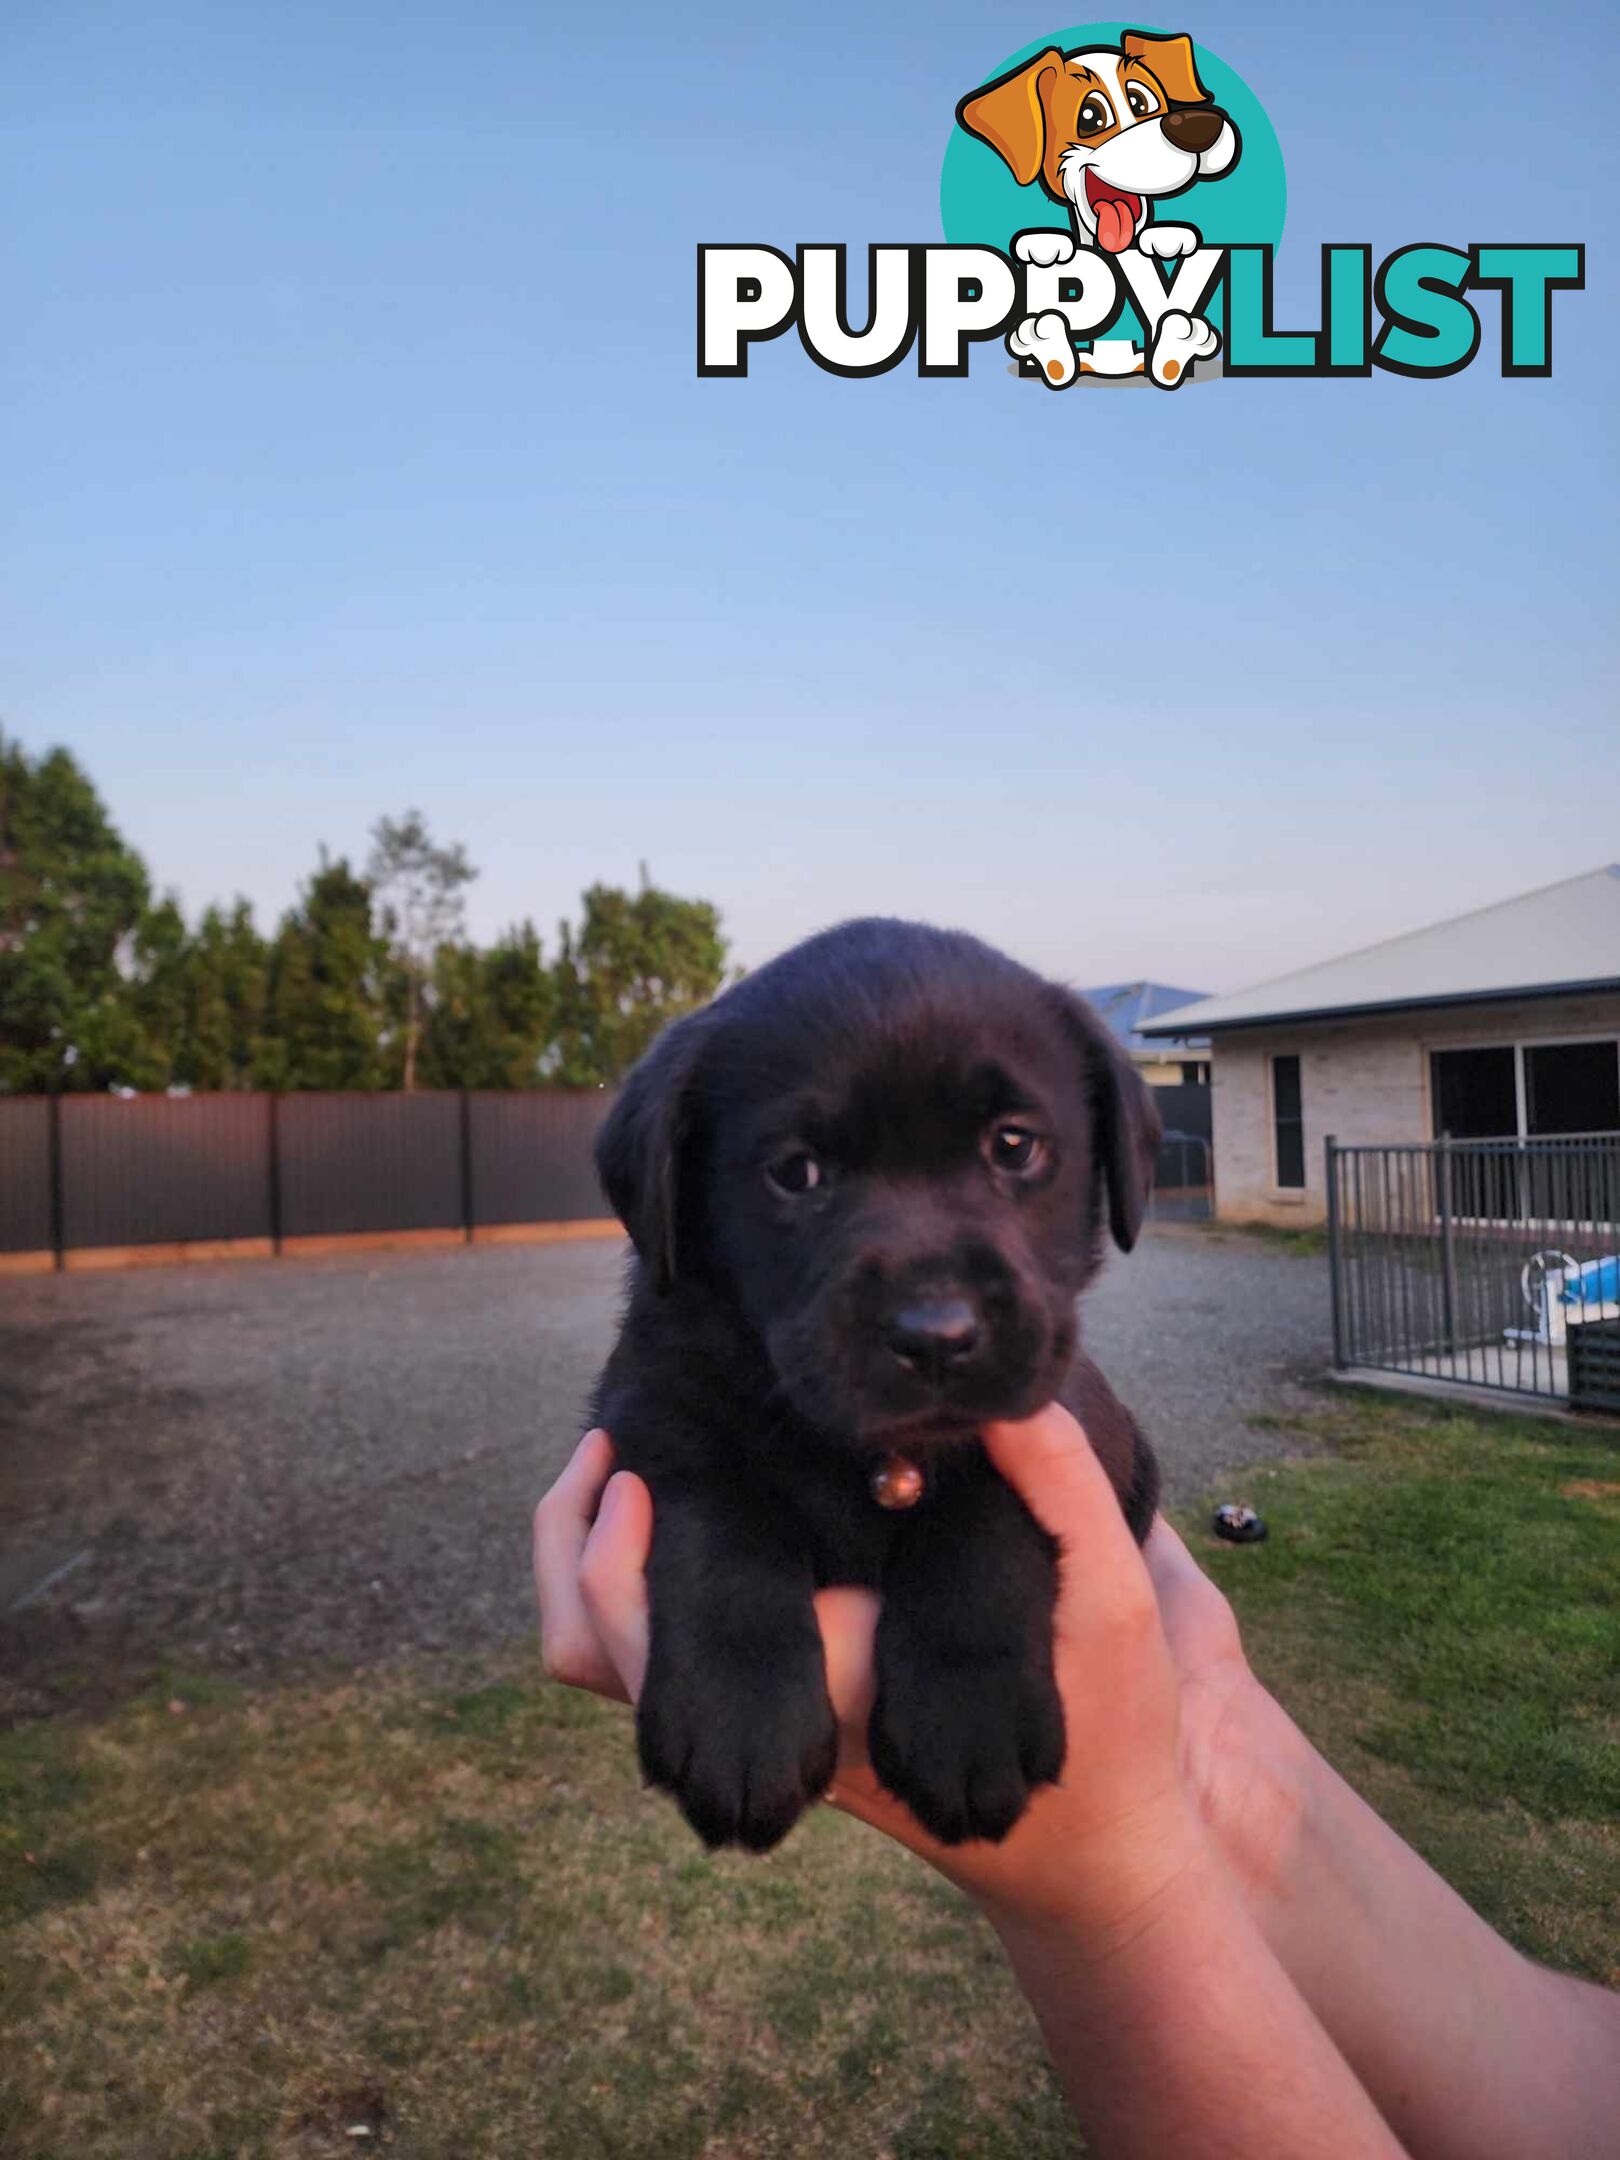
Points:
[(1127, 1007), (1561, 937)]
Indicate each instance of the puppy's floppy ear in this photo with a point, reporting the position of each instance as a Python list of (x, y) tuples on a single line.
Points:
[(1171, 59), (1010, 115), (640, 1151), (1126, 1121)]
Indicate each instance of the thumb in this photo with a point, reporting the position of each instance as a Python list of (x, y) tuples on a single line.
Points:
[(1050, 1464)]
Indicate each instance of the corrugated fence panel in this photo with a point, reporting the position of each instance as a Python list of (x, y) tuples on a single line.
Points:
[(370, 1162), (25, 1173), (531, 1156), (156, 1169)]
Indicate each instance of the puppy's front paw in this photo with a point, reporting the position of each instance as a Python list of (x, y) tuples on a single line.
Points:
[(1168, 242), (1044, 341), (963, 1744), (1181, 339), (1045, 247), (743, 1752)]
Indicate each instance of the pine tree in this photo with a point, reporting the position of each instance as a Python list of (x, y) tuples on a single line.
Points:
[(324, 1017)]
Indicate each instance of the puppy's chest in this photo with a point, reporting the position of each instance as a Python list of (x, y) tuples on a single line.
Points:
[(837, 1523)]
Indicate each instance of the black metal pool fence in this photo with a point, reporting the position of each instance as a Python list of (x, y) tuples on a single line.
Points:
[(1489, 1263)]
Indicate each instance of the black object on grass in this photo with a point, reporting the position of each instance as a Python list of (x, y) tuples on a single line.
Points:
[(1238, 1525)]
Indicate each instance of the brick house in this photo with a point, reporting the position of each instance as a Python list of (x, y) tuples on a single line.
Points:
[(1500, 1024)]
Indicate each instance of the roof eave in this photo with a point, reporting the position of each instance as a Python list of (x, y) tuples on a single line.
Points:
[(1213, 1025)]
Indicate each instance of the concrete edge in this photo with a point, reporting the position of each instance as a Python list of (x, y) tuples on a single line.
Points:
[(1463, 1392)]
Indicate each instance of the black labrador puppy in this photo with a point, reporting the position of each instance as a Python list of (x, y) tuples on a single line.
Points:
[(865, 1187)]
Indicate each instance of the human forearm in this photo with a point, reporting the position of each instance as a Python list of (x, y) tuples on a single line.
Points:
[(1183, 2034), (1471, 2051)]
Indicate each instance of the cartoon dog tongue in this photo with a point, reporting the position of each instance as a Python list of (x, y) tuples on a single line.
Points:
[(1116, 222)]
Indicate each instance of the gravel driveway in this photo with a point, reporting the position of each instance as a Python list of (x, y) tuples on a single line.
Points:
[(263, 1462)]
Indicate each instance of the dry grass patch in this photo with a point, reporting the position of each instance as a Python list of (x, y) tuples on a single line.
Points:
[(430, 1911), (412, 1915)]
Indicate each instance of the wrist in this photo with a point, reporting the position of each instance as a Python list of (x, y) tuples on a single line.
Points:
[(1091, 1893), (1258, 1796)]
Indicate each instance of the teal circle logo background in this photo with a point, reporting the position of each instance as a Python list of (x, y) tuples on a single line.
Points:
[(980, 203)]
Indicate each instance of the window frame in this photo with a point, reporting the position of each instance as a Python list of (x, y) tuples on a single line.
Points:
[(1518, 1044), (1278, 1186)]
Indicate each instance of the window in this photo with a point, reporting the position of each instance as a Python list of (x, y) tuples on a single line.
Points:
[(1571, 1088), (1476, 1094), (1526, 1091), (1288, 1124)]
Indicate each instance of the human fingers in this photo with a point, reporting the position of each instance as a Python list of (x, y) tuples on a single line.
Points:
[(1198, 1622), (1051, 1465), (613, 1579), (848, 1619), (569, 1647)]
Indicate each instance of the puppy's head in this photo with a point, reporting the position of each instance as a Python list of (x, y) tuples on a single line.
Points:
[(893, 1152), (1106, 130)]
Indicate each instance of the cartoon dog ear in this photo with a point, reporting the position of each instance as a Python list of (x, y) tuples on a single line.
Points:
[(1125, 1120), (641, 1150), (1010, 115), (1171, 59)]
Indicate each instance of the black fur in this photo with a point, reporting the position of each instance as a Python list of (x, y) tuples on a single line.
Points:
[(757, 1381)]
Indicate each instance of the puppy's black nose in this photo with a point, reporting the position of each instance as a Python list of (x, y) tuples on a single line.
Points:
[(1194, 131), (933, 1334)]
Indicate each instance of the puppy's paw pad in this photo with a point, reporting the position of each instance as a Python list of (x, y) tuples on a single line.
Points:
[(1044, 339), (1045, 248), (1181, 340)]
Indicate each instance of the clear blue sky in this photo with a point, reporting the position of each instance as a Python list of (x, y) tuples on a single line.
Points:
[(355, 458)]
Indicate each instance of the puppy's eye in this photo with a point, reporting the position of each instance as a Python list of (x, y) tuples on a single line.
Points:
[(795, 1173), (1015, 1149), (1096, 114), (1140, 99)]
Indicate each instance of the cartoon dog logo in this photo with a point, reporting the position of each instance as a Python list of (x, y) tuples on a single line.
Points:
[(1108, 131)]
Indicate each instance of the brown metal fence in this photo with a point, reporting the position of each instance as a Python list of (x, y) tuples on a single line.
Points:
[(93, 1172), (26, 1223)]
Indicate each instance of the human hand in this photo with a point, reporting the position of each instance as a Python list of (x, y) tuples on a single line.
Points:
[(1167, 1729)]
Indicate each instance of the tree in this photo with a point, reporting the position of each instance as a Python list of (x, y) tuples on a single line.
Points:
[(639, 960), (72, 894), (226, 991), (488, 1020), (420, 887), (324, 1010), (155, 992)]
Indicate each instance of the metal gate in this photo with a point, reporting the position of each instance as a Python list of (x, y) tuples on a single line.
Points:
[(1493, 1263)]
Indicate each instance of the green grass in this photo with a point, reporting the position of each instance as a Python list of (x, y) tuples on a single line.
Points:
[(435, 1904), (1439, 1606), (1305, 1243)]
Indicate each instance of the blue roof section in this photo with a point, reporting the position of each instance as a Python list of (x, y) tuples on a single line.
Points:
[(1128, 1007)]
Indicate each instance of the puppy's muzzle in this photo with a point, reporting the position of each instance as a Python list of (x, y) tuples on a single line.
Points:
[(934, 1337), (1194, 131)]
